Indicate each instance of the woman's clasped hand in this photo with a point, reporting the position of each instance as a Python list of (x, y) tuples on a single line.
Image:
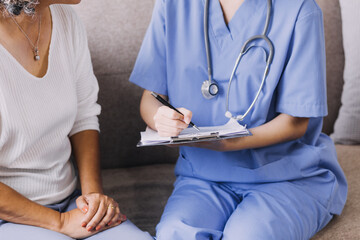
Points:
[(100, 211), (96, 212)]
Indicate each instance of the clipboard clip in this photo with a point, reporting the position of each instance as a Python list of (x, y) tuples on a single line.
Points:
[(213, 135)]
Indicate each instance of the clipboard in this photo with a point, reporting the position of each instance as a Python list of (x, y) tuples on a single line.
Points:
[(231, 129)]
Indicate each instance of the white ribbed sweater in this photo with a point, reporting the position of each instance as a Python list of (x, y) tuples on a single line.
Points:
[(37, 115)]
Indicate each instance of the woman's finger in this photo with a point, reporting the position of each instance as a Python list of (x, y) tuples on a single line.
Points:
[(110, 213), (93, 204), (118, 217), (96, 219), (82, 204)]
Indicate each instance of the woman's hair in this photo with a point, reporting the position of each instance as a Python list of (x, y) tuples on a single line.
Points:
[(15, 7)]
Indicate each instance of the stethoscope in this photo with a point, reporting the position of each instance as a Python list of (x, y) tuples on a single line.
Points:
[(210, 88)]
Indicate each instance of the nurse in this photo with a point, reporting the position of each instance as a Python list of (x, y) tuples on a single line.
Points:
[(284, 181)]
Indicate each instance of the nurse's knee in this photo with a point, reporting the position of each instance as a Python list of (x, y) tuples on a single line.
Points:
[(169, 229), (176, 229), (261, 232)]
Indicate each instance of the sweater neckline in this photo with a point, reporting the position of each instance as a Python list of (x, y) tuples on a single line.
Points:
[(52, 39)]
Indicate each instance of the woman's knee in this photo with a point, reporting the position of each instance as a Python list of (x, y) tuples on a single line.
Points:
[(19, 232)]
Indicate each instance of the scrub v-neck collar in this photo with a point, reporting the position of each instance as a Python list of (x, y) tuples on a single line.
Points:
[(238, 23)]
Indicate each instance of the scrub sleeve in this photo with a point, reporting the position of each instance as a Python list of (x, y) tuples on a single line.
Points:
[(150, 68)]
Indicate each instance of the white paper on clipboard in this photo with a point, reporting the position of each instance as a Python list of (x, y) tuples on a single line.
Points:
[(229, 130)]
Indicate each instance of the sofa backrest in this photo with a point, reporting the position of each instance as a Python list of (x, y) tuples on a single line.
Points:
[(115, 31), (334, 60)]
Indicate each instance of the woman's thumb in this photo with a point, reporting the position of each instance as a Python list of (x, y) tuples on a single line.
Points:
[(82, 204)]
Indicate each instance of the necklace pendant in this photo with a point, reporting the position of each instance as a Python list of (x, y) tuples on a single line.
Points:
[(36, 53)]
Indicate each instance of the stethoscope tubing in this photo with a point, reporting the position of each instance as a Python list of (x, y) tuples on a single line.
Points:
[(243, 51), (206, 34)]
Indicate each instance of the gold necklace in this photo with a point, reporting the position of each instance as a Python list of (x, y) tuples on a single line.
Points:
[(34, 47)]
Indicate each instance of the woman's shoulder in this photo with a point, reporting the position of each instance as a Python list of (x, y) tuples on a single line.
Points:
[(64, 11), (66, 16), (68, 23)]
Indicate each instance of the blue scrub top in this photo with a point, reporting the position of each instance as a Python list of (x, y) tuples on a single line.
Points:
[(172, 61)]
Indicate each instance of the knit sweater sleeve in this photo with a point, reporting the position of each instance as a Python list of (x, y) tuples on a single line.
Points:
[(87, 87)]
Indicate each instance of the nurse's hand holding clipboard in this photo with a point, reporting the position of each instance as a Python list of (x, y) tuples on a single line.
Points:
[(281, 129)]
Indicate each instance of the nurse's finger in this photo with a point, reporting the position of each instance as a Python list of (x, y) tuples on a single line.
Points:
[(187, 114), (170, 113), (173, 123), (166, 131)]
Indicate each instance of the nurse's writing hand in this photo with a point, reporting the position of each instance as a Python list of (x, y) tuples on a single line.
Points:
[(170, 123), (100, 211)]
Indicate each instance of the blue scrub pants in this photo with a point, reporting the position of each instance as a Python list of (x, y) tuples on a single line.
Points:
[(204, 210), (126, 230)]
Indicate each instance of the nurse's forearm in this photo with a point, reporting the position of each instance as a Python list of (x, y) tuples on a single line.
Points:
[(281, 129), (17, 209), (148, 108)]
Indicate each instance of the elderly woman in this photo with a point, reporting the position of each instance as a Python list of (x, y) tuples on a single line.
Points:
[(48, 95)]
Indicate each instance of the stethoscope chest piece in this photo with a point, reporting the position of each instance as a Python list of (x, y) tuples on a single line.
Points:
[(209, 89)]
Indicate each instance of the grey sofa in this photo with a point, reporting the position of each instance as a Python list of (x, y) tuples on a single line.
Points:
[(141, 178)]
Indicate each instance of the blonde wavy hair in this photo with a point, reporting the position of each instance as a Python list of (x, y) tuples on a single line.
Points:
[(16, 7)]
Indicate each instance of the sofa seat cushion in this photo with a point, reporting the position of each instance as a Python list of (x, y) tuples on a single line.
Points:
[(141, 192), (347, 225)]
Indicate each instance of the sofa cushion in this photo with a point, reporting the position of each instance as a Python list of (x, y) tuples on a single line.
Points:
[(334, 59), (347, 126), (347, 225), (141, 192)]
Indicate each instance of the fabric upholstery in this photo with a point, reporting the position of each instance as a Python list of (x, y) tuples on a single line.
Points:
[(347, 126), (334, 60)]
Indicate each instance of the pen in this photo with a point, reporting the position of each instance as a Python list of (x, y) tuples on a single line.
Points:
[(166, 103)]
